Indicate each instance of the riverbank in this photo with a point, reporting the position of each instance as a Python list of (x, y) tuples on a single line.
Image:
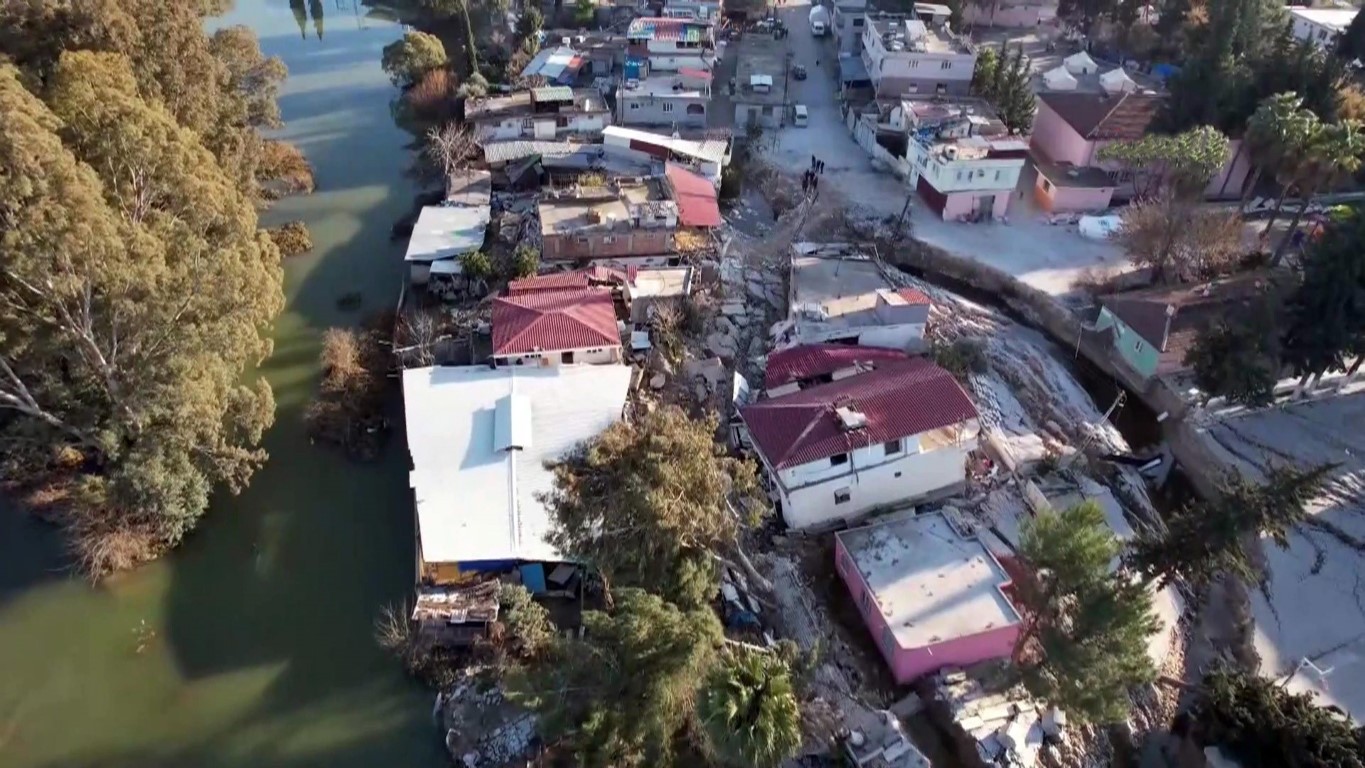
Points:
[(253, 644)]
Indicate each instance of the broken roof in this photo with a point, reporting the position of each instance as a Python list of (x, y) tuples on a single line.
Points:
[(578, 278), (478, 495), (807, 361), (1102, 116), (698, 205), (897, 400), (931, 584), (708, 150), (469, 187), (681, 30), (543, 321), (834, 285), (445, 232)]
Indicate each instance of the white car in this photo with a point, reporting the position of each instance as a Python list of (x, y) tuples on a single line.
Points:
[(800, 117)]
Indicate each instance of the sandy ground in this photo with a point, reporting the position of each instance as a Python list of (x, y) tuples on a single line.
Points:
[(1316, 609), (1045, 256)]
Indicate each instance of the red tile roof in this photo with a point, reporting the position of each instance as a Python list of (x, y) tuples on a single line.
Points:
[(914, 296), (579, 278), (810, 360), (695, 196), (554, 320), (1101, 116), (899, 400)]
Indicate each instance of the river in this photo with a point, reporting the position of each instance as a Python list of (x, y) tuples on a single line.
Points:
[(252, 645)]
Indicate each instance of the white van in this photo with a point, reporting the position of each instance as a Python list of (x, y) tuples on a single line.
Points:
[(800, 117)]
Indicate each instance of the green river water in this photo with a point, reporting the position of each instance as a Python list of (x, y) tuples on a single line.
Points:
[(252, 645)]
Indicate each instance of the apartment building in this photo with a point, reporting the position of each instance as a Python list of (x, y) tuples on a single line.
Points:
[(908, 56)]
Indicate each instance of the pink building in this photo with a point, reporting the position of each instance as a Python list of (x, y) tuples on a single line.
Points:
[(1069, 132), (930, 596)]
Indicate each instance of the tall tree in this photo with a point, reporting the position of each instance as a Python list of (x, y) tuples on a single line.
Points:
[(1240, 358), (133, 297), (1275, 131), (405, 60), (1327, 311), (1180, 165), (748, 711), (1334, 153), (316, 11), (647, 504), (1084, 14), (1351, 43), (1206, 540), (623, 694), (1014, 97), (983, 76), (1084, 642)]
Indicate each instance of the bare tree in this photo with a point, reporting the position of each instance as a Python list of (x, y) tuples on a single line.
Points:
[(419, 332), (1178, 241), (450, 147)]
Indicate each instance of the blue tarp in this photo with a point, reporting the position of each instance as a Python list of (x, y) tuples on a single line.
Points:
[(852, 71), (533, 578), (1165, 71)]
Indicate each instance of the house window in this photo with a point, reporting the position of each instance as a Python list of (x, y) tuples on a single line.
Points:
[(528, 124), (892, 447), (888, 641), (842, 495), (767, 111), (946, 65), (1047, 185), (914, 63), (959, 175), (838, 459), (568, 357), (608, 240), (914, 88), (696, 109), (1138, 346), (941, 89), (864, 601), (633, 105), (997, 175), (668, 106), (858, 23)]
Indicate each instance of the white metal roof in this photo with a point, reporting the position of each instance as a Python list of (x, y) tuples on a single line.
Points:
[(711, 150), (479, 438), (444, 232), (930, 584)]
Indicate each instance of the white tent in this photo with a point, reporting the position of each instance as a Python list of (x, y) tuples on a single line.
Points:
[(1081, 64), (1059, 80), (1117, 81)]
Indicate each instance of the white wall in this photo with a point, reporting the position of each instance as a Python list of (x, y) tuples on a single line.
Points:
[(872, 480), (675, 62), (585, 356), (542, 127), (966, 175), (903, 336), (952, 69)]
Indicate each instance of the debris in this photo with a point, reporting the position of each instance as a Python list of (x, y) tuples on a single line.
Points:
[(658, 381)]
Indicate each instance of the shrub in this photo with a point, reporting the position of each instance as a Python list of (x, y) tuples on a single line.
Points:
[(526, 622), (292, 238), (283, 170), (961, 357), (432, 99), (525, 262), (730, 183), (476, 266)]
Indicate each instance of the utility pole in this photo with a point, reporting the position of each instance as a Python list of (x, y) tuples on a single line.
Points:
[(900, 225)]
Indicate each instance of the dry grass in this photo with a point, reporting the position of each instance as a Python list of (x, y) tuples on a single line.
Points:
[(432, 99), (104, 542)]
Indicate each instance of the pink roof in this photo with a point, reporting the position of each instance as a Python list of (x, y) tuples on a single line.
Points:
[(898, 400), (810, 360), (543, 321), (695, 196), (695, 74)]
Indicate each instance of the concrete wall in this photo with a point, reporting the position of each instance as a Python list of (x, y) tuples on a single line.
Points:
[(872, 479), (990, 175), (909, 663), (766, 115), (596, 245), (581, 356), (964, 204), (643, 109), (1010, 16), (1135, 351), (542, 127), (1056, 139), (895, 73), (1056, 199)]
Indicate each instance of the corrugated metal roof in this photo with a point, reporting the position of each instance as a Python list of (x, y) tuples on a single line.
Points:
[(898, 400), (710, 150), (545, 321), (695, 196), (552, 93), (509, 151), (682, 30)]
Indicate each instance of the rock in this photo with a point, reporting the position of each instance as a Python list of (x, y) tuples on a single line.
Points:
[(703, 394), (734, 309), (659, 364), (721, 345), (658, 381), (756, 289), (723, 325), (756, 347)]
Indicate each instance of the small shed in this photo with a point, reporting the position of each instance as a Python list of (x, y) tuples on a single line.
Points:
[(1080, 63), (1059, 80), (1117, 81)]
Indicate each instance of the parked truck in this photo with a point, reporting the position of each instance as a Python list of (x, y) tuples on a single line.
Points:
[(819, 21)]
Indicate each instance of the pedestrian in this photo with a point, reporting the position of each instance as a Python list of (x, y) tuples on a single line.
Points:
[(812, 162), (815, 184), (822, 167), (805, 181)]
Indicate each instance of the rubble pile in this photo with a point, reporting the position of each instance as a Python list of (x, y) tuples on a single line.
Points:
[(482, 727), (1009, 728)]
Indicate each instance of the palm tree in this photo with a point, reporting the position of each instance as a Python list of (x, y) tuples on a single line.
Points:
[(748, 711), (1294, 154), (1267, 135), (1334, 153)]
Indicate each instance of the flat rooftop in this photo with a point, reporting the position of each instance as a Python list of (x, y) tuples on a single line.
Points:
[(662, 281), (445, 232), (840, 284), (931, 584), (911, 35), (550, 100), (479, 439), (606, 207), (667, 85), (763, 57)]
